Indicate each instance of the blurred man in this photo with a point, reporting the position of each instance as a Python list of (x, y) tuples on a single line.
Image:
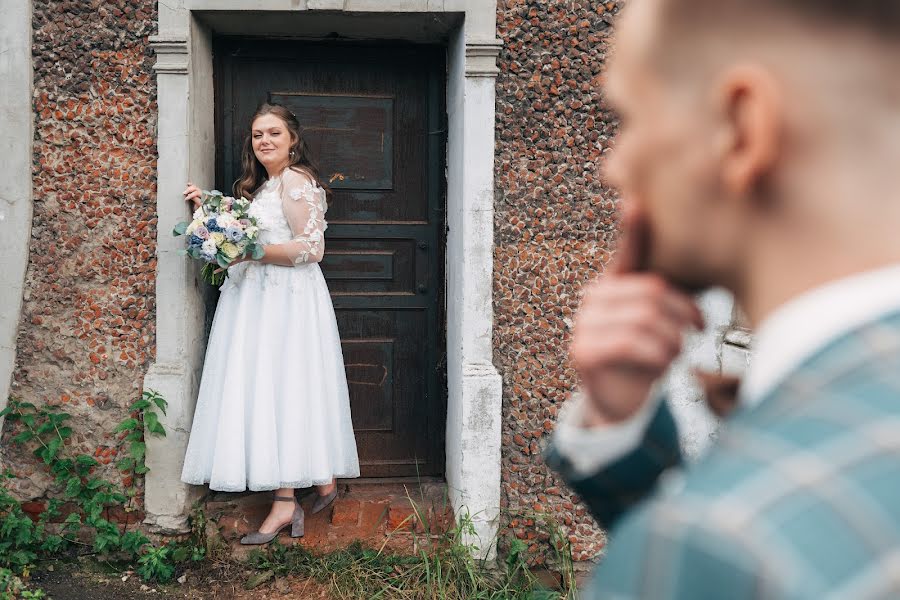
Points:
[(759, 150)]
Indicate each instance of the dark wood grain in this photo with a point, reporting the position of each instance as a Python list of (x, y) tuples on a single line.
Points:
[(374, 118)]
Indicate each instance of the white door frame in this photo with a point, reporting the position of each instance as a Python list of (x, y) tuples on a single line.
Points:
[(186, 147)]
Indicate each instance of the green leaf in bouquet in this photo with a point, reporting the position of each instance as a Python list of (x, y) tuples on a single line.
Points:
[(180, 228), (257, 251), (222, 260)]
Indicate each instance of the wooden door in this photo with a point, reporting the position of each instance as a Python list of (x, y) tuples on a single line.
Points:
[(374, 118)]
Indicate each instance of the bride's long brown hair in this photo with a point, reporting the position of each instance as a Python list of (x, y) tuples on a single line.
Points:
[(253, 173)]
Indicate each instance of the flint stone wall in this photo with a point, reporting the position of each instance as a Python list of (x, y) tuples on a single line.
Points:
[(86, 333), (555, 224)]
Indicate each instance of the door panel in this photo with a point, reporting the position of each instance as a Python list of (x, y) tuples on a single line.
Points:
[(374, 119)]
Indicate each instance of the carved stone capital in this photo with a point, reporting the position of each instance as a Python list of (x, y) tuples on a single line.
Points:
[(481, 58), (171, 53)]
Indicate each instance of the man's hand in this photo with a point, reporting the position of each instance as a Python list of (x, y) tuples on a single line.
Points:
[(628, 331)]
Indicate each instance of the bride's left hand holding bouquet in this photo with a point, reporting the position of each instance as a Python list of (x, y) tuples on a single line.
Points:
[(221, 233)]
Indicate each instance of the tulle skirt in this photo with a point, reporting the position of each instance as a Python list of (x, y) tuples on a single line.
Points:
[(273, 409)]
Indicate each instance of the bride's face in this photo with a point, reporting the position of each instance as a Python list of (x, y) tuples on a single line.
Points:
[(271, 142)]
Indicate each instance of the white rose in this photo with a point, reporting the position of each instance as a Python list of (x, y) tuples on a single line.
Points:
[(208, 249), (193, 226), (225, 219), (198, 214)]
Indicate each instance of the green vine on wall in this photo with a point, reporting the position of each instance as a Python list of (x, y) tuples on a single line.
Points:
[(23, 541)]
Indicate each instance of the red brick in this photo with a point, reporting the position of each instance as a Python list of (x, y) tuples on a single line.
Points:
[(345, 513), (372, 515), (34, 509), (401, 517)]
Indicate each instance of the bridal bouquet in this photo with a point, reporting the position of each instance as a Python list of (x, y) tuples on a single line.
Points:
[(221, 232)]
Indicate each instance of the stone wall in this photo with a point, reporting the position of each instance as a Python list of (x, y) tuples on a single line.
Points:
[(555, 223), (86, 332)]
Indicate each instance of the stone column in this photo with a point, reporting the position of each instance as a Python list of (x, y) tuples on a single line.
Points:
[(474, 385), (180, 308), (16, 134)]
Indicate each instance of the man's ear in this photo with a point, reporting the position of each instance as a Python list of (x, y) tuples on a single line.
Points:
[(750, 103)]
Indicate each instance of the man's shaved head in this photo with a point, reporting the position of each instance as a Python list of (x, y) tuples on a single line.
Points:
[(744, 127), (880, 17), (688, 31)]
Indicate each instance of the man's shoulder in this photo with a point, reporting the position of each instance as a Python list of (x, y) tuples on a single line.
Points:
[(812, 492), (673, 547), (790, 521), (808, 448)]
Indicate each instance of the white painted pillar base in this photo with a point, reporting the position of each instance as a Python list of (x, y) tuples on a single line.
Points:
[(167, 500), (473, 454)]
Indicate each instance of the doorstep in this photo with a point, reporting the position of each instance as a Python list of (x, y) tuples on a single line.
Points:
[(399, 516)]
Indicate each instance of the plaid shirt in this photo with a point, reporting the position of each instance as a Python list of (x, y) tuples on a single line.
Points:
[(798, 499)]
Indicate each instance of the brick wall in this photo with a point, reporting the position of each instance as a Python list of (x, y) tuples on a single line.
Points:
[(86, 334), (554, 224)]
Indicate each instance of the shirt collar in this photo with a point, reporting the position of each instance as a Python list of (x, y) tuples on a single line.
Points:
[(805, 324)]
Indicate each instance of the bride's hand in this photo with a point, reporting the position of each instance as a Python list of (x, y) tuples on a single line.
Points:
[(193, 194), (239, 259)]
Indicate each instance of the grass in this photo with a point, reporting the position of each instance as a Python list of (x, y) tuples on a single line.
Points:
[(444, 567)]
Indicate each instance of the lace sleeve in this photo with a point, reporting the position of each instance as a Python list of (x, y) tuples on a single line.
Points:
[(304, 205)]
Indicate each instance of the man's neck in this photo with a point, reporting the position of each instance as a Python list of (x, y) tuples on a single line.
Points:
[(777, 279)]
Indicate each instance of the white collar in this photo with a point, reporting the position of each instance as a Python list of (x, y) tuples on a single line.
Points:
[(805, 324)]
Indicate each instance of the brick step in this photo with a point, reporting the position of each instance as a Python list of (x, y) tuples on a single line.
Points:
[(397, 516)]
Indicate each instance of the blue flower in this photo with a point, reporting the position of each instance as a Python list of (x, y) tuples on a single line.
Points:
[(195, 241), (212, 225), (234, 233)]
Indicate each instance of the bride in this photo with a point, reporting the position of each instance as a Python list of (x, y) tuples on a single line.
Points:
[(273, 411)]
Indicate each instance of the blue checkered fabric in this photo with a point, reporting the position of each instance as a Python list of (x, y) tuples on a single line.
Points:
[(798, 499)]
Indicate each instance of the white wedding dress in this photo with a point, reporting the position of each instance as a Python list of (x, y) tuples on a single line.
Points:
[(273, 409)]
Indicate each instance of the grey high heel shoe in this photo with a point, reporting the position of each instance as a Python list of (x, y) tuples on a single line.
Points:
[(296, 524), (322, 502)]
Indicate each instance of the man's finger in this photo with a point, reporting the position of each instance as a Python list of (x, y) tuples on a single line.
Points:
[(631, 252), (683, 308), (637, 317), (646, 345), (608, 296)]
